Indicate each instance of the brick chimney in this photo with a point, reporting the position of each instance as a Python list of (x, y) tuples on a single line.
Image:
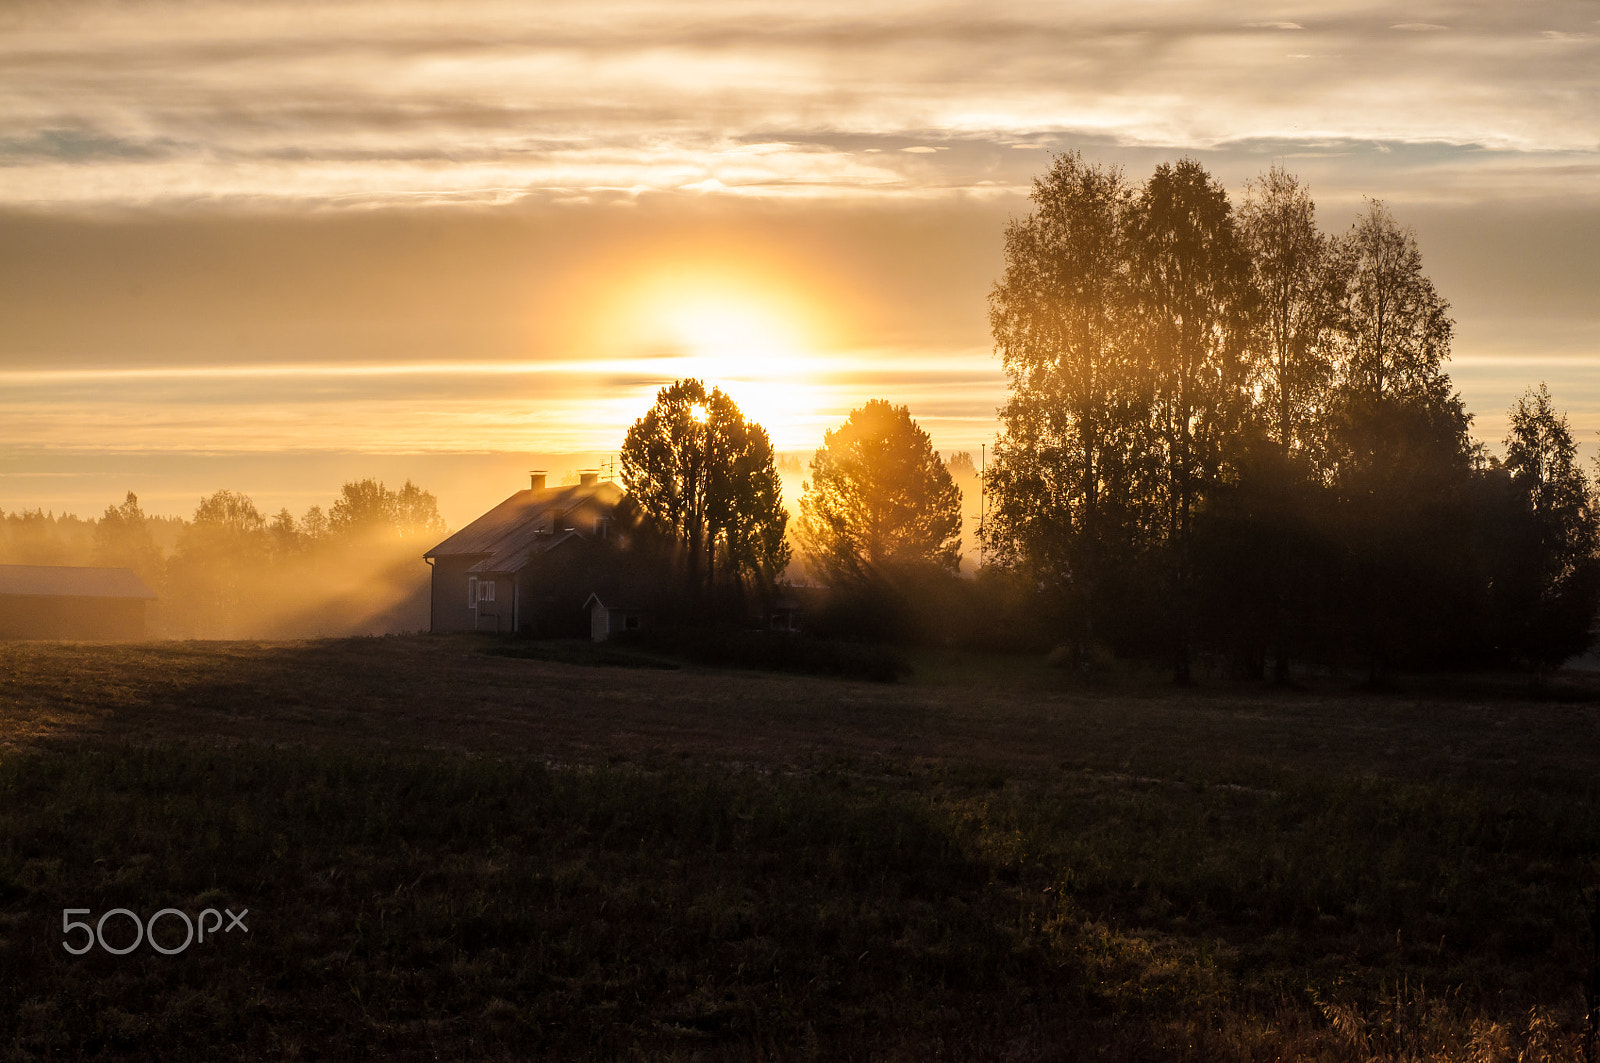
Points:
[(588, 478), (538, 479)]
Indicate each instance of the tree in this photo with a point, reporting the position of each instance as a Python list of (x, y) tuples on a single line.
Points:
[(879, 501), (416, 513), (1194, 299), (219, 555), (122, 539), (706, 477), (368, 508), (1299, 278), (1069, 486), (1400, 326), (364, 507), (1401, 463), (1554, 595)]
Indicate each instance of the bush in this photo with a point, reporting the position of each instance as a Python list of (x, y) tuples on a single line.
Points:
[(772, 652)]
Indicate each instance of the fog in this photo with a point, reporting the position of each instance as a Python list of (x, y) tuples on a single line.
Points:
[(229, 572)]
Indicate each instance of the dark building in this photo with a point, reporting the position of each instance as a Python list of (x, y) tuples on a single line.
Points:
[(529, 564), (70, 602)]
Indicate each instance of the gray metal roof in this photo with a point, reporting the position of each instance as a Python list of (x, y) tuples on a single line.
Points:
[(504, 538), (71, 581)]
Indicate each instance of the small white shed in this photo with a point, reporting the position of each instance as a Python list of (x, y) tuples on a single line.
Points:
[(607, 620)]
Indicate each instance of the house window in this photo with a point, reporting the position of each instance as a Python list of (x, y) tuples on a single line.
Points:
[(486, 590), (602, 527), (630, 622), (472, 592)]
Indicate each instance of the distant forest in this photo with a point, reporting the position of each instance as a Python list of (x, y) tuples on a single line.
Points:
[(231, 572)]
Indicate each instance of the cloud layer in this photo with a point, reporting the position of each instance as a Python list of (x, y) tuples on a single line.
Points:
[(359, 103)]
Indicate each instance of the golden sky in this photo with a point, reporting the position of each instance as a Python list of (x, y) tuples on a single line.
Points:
[(273, 246)]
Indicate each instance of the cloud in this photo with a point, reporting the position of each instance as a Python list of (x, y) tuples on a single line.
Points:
[(1418, 27), (484, 102)]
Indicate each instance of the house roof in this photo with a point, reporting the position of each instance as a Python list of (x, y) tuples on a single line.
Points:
[(508, 534), (616, 605), (71, 581), (518, 551)]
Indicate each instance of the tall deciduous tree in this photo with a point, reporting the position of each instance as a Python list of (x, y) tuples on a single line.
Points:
[(1299, 277), (706, 476), (1069, 486), (1194, 299), (1401, 461), (880, 501), (1400, 327)]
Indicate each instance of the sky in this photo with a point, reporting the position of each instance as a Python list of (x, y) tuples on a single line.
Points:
[(275, 246)]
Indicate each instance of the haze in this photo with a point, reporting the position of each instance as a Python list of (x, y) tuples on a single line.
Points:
[(274, 247)]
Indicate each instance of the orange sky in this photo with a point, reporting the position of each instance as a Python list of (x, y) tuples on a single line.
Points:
[(273, 246)]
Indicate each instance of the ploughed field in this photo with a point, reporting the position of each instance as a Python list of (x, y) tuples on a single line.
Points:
[(451, 852)]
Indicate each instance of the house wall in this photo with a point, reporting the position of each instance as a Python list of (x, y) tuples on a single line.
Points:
[(449, 611), (550, 603), (25, 616), (496, 613)]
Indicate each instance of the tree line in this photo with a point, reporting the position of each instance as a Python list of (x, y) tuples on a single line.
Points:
[(1229, 431), (231, 571)]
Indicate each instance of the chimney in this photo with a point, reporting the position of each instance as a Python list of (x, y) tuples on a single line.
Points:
[(538, 479), (588, 477)]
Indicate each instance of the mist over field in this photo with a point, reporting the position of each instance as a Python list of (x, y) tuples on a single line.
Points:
[(355, 568)]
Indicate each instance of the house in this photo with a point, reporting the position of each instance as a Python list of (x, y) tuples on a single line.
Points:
[(72, 602), (529, 564)]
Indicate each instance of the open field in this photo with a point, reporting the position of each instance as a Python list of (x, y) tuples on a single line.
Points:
[(451, 853)]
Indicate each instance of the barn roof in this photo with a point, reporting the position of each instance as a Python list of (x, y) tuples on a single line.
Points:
[(71, 581), (503, 537)]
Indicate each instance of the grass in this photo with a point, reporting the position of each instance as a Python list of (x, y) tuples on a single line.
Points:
[(452, 854)]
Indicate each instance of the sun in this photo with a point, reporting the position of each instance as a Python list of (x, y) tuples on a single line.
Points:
[(751, 343)]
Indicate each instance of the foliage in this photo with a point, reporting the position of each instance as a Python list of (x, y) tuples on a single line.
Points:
[(1555, 590), (1399, 325), (122, 539), (1299, 274), (880, 502), (368, 508), (231, 572), (706, 477), (219, 557), (1237, 433), (1071, 485)]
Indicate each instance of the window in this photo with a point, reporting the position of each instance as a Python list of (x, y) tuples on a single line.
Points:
[(630, 622), (486, 590), (472, 592)]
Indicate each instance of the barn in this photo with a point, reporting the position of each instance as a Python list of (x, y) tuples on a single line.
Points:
[(72, 602)]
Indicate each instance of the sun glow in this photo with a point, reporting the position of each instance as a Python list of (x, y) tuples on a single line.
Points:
[(752, 344)]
